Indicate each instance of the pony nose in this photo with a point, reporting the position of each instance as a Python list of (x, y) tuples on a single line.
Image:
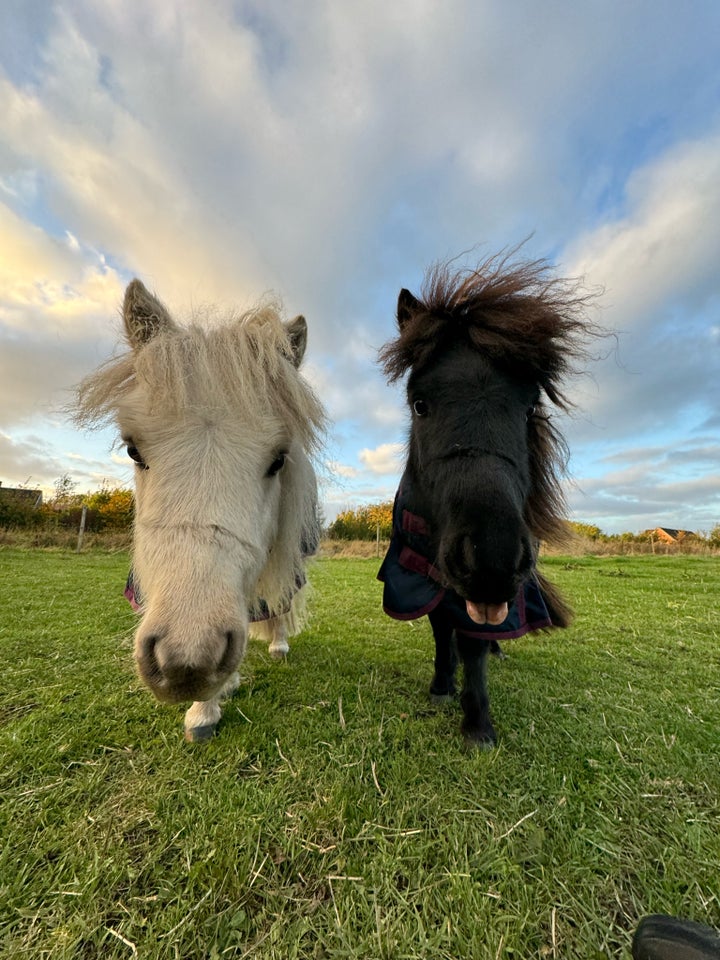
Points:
[(486, 572), (173, 675)]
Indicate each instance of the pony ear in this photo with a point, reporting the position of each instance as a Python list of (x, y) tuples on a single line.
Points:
[(406, 307), (297, 335), (143, 314)]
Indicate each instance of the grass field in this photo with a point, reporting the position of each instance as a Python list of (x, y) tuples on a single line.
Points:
[(337, 814)]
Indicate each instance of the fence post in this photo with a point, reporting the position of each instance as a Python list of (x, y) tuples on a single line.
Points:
[(81, 531)]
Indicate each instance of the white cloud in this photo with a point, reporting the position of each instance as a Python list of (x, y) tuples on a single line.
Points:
[(58, 304), (38, 460), (63, 285), (342, 470), (658, 265), (384, 460), (668, 244)]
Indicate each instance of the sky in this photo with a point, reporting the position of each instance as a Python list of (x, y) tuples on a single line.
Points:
[(330, 152)]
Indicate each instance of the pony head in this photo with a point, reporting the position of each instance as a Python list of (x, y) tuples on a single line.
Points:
[(486, 353), (221, 427)]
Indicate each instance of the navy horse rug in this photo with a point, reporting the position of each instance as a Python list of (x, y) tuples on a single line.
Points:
[(413, 585)]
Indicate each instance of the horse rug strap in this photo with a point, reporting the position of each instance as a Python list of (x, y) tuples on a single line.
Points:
[(413, 585)]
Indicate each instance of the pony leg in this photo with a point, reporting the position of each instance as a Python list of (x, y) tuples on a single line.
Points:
[(202, 718), (477, 727), (276, 630), (278, 648), (443, 686), (275, 633)]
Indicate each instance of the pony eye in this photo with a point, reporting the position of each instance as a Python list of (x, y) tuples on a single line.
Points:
[(420, 408), (529, 412), (277, 464), (134, 454)]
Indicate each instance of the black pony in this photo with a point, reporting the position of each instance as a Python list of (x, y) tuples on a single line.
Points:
[(487, 352)]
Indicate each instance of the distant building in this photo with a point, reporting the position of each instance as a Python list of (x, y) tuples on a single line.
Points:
[(20, 496), (669, 535)]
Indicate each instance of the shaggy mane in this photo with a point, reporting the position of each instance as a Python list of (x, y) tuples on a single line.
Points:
[(517, 314), (239, 363), (529, 322)]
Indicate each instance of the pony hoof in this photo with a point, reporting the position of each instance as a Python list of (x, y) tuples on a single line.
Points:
[(442, 699), (474, 744), (279, 653), (442, 690), (480, 739), (200, 734)]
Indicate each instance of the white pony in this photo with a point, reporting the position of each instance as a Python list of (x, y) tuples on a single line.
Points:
[(221, 426)]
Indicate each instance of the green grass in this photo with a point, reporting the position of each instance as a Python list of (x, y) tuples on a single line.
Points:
[(337, 814)]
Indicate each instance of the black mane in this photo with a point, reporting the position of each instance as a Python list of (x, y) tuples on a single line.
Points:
[(517, 314)]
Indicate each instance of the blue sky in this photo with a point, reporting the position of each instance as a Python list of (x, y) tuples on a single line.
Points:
[(332, 151)]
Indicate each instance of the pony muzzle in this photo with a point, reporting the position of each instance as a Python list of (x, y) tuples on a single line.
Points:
[(175, 672), (486, 571)]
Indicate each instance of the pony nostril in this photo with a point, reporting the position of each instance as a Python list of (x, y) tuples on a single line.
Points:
[(147, 659), (148, 644), (467, 552), (460, 557)]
